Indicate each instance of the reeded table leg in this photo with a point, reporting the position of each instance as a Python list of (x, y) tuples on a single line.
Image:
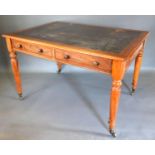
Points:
[(138, 62), (118, 70), (59, 64)]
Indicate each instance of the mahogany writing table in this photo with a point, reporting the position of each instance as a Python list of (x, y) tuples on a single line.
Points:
[(103, 49)]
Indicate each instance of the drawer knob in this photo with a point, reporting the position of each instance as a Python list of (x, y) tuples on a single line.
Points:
[(19, 46), (40, 50), (66, 56), (96, 63)]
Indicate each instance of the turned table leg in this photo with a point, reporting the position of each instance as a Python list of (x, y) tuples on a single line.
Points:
[(138, 62), (118, 70), (15, 68), (59, 64), (114, 102)]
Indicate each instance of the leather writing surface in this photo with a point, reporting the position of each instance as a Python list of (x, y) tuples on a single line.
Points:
[(85, 36)]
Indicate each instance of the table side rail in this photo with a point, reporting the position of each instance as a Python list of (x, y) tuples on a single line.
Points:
[(92, 62)]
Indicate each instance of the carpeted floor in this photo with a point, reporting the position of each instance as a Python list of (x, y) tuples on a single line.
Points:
[(74, 106)]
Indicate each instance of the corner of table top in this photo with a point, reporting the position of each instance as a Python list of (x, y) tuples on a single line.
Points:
[(6, 35)]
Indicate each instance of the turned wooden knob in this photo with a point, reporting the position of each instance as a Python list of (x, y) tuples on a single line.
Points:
[(19, 46), (96, 63), (66, 56), (40, 50)]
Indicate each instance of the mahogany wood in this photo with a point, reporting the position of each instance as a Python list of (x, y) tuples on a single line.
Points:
[(59, 64), (118, 71), (83, 60), (138, 62), (15, 67), (102, 49)]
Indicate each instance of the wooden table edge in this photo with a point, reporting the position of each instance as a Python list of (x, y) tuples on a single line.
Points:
[(130, 49), (104, 54)]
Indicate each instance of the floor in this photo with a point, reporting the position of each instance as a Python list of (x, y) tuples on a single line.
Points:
[(74, 106)]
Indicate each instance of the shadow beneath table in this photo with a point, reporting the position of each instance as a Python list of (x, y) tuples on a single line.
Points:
[(77, 131), (127, 87), (13, 133), (86, 100)]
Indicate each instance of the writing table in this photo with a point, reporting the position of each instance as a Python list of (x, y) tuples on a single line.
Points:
[(103, 49)]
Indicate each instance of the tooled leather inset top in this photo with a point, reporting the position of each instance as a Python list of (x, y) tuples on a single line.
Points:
[(85, 36)]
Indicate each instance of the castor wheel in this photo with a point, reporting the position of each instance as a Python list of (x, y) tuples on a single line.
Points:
[(20, 96), (132, 92), (59, 71), (112, 132)]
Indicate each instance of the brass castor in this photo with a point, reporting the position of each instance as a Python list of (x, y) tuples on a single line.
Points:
[(59, 71), (112, 132), (20, 96), (132, 92)]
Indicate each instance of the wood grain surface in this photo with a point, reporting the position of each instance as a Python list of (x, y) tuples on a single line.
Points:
[(103, 49)]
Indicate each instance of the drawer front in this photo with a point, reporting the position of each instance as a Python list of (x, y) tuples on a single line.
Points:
[(32, 48), (84, 60)]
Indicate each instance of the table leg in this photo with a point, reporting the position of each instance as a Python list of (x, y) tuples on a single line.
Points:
[(59, 64), (118, 70), (15, 69), (114, 102), (138, 62)]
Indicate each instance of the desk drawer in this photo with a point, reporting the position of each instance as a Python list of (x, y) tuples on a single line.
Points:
[(84, 60), (32, 48)]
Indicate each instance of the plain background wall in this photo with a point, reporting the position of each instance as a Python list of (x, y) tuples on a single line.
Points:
[(31, 64)]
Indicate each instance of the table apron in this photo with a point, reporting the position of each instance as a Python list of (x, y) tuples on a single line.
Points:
[(91, 62)]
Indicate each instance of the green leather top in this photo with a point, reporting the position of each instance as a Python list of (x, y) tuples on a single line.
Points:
[(85, 36)]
